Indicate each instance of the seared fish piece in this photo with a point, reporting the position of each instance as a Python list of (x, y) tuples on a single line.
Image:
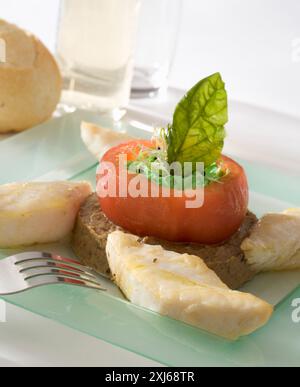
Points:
[(33, 213), (99, 140), (182, 287), (274, 243)]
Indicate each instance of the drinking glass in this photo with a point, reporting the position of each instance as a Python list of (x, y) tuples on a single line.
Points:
[(159, 25), (95, 47)]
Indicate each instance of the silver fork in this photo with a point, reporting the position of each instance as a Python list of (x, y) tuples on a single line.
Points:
[(29, 270)]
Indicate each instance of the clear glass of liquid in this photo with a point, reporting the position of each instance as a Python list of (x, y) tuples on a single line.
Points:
[(159, 26), (95, 47)]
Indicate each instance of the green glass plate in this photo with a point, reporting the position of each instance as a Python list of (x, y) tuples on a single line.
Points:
[(55, 151)]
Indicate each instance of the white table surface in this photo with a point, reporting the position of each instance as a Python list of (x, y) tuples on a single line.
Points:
[(29, 340)]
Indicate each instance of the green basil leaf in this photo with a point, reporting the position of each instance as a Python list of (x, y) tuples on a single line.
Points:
[(197, 133)]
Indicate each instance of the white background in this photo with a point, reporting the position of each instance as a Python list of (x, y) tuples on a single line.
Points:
[(249, 41)]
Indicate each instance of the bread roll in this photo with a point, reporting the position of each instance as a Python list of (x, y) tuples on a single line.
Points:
[(30, 81)]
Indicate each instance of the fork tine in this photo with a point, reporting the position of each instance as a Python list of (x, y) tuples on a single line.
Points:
[(58, 279), (39, 263), (31, 256), (23, 260), (67, 278), (31, 272)]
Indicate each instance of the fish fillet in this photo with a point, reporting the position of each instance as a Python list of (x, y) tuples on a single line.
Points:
[(33, 213), (99, 140), (274, 243), (182, 287)]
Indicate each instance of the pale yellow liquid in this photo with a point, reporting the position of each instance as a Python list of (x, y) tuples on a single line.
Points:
[(95, 47)]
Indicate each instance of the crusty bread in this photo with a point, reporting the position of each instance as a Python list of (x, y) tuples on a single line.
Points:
[(30, 81)]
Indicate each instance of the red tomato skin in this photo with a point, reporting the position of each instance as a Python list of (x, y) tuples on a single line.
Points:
[(222, 214)]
